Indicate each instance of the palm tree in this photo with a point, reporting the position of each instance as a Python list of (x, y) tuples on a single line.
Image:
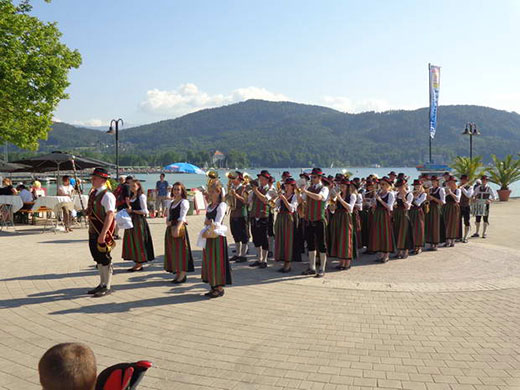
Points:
[(504, 172), (472, 167)]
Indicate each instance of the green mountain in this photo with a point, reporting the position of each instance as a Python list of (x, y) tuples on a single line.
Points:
[(284, 134)]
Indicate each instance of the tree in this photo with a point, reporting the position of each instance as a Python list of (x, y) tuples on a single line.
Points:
[(34, 66), (504, 172), (470, 167)]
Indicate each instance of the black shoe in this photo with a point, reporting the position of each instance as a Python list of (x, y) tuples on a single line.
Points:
[(216, 294), (464, 240), (309, 272), (209, 293), (339, 267), (263, 265), (270, 254), (432, 249), (285, 271), (135, 270), (102, 292), (94, 290), (475, 235), (384, 260), (255, 264), (319, 275), (183, 280), (397, 256), (241, 259), (234, 258)]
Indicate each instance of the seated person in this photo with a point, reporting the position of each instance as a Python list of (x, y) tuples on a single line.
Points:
[(7, 187), (37, 190), (68, 366), (26, 195)]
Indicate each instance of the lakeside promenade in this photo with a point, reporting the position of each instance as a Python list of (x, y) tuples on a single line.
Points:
[(443, 320)]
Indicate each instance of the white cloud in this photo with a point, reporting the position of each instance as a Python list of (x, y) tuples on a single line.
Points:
[(92, 123), (346, 104), (189, 98)]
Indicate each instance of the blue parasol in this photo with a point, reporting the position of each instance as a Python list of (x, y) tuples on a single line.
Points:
[(184, 168)]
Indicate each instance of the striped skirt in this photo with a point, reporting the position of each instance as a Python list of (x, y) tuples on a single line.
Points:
[(177, 253), (402, 229), (215, 262), (284, 229), (381, 236), (365, 216), (451, 220), (137, 242), (343, 240), (433, 224), (416, 215), (358, 228)]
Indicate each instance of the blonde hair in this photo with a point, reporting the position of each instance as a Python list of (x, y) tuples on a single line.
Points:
[(7, 182), (37, 184)]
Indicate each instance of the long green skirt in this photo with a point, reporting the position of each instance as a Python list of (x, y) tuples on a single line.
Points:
[(381, 236), (434, 226), (343, 240), (416, 215), (284, 237), (177, 253), (137, 242), (451, 220), (215, 262), (402, 229)]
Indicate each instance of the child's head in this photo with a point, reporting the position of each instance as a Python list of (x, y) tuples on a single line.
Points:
[(68, 366)]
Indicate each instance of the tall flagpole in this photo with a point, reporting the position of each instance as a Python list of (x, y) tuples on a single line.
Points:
[(430, 110)]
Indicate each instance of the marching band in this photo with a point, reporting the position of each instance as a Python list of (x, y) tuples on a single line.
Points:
[(325, 217)]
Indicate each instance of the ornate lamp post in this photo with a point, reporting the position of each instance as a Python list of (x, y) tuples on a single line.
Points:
[(114, 129), (471, 130)]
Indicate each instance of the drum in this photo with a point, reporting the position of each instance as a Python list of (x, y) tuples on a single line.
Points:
[(479, 208)]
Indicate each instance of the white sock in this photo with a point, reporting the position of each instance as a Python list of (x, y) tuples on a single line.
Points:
[(244, 249), (106, 271), (477, 224), (312, 260), (466, 231), (485, 227), (265, 253), (323, 261), (101, 275), (271, 243), (259, 253), (238, 248)]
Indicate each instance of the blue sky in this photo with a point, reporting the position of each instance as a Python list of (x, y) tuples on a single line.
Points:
[(146, 61)]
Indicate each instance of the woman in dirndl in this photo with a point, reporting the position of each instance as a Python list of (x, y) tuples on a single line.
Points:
[(401, 219), (452, 212), (416, 214), (343, 240), (382, 240), (216, 270), (285, 226), (137, 242), (177, 250), (434, 227)]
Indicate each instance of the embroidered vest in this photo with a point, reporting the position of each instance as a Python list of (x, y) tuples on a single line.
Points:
[(240, 209), (464, 200), (259, 209), (315, 209), (96, 212)]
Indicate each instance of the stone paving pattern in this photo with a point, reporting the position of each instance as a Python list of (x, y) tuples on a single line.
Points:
[(444, 320)]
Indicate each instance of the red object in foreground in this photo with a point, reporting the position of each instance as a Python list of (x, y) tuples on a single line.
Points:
[(122, 376)]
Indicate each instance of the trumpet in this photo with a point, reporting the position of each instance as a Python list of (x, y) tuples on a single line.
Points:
[(333, 196), (212, 177), (230, 199), (272, 202)]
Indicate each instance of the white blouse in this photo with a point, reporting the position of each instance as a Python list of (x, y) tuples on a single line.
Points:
[(442, 194), (407, 200), (389, 204), (419, 200), (142, 203), (351, 203), (293, 204), (457, 194), (185, 206), (221, 212), (359, 202)]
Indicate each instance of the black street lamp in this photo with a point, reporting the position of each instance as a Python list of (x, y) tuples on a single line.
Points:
[(114, 129), (471, 130)]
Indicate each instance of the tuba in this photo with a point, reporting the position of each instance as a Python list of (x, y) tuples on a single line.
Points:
[(230, 199), (212, 177)]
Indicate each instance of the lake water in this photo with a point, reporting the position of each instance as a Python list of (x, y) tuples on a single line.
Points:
[(193, 181)]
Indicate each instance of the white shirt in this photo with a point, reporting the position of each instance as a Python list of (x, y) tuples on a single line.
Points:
[(269, 193), (467, 192), (324, 192), (479, 191), (293, 204), (26, 196), (408, 199), (359, 202), (185, 206), (442, 193), (109, 200), (419, 200), (65, 190), (39, 193), (351, 203), (390, 201), (142, 203), (221, 212), (457, 194)]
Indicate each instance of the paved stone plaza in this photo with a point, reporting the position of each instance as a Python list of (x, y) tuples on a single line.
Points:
[(444, 320)]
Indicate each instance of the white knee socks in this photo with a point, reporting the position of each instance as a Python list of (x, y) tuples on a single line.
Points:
[(238, 248), (105, 271), (243, 250), (323, 261), (312, 260), (477, 224)]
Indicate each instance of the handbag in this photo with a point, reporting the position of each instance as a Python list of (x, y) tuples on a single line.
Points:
[(210, 232), (123, 220), (182, 231)]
